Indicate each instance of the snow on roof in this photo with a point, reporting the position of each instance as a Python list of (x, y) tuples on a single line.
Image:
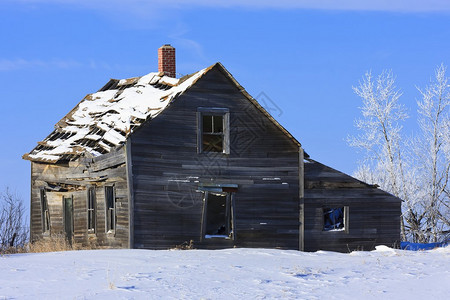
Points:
[(103, 120)]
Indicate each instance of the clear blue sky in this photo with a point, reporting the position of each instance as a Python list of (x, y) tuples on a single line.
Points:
[(305, 56)]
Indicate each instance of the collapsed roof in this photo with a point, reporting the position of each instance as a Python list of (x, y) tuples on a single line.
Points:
[(103, 120)]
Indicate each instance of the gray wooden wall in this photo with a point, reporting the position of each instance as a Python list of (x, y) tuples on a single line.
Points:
[(75, 177), (373, 216), (167, 170)]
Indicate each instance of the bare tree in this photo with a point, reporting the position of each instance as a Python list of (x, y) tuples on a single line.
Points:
[(13, 230)]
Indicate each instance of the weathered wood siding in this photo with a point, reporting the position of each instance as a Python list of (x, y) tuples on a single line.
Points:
[(166, 171), (373, 216), (74, 178)]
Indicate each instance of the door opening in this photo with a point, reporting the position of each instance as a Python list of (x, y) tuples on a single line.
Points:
[(218, 215)]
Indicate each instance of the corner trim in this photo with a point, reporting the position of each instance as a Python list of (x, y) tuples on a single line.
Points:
[(301, 192), (129, 170)]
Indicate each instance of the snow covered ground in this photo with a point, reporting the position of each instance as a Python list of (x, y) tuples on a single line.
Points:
[(226, 274)]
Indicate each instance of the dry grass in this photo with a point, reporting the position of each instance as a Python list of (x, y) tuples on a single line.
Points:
[(185, 246), (53, 243)]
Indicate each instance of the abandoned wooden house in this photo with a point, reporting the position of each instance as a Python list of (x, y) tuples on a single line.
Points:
[(154, 162)]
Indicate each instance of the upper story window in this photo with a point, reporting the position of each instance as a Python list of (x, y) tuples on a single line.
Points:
[(213, 130), (212, 135)]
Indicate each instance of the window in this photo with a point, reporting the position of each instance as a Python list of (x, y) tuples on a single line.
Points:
[(213, 131), (45, 215), (110, 199), (68, 217), (218, 215), (335, 218), (212, 135), (91, 210)]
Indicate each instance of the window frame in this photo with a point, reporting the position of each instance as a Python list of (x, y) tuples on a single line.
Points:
[(229, 214), (110, 217), (345, 218), (91, 211), (210, 111), (45, 212)]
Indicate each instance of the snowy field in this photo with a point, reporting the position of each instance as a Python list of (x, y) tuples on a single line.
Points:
[(226, 274)]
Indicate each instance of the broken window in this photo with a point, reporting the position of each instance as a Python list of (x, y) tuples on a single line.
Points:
[(218, 215), (335, 218), (110, 199), (212, 133), (45, 215), (91, 210), (213, 130)]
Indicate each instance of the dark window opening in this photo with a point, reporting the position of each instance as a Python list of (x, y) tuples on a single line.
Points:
[(91, 210), (212, 133), (45, 214), (218, 215), (334, 219), (68, 217), (110, 199)]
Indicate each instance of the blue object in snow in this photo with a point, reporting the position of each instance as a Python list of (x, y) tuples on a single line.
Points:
[(418, 246)]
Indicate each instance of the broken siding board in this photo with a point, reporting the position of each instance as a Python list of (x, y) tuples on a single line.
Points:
[(109, 160)]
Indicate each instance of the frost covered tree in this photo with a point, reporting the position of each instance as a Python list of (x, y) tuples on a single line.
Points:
[(432, 154), (380, 136), (413, 169)]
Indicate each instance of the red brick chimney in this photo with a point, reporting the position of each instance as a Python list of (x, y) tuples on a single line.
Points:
[(166, 60)]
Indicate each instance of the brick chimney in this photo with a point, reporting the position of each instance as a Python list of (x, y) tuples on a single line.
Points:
[(166, 60)]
